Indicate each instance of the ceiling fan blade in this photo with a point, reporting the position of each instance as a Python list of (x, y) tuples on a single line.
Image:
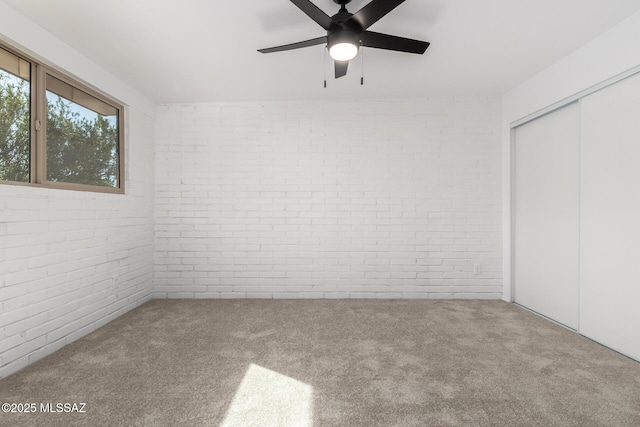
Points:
[(314, 12), (298, 45), (341, 68), (371, 13), (386, 41)]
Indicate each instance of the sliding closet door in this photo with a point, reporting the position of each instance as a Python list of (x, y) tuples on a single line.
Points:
[(546, 215), (610, 217)]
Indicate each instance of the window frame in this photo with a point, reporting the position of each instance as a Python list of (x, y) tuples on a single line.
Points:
[(38, 128)]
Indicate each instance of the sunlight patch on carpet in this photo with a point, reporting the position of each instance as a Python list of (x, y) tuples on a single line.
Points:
[(267, 398)]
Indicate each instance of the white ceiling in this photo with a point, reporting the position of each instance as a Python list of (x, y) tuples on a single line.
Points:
[(205, 50)]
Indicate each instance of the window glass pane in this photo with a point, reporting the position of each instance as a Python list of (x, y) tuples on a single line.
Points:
[(82, 137), (15, 139)]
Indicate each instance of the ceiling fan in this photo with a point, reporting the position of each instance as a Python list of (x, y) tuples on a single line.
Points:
[(346, 32)]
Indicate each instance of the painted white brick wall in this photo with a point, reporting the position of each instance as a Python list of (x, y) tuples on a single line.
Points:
[(72, 261), (329, 199)]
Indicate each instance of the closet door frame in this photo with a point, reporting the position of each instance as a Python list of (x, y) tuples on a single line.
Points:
[(555, 106), (511, 155)]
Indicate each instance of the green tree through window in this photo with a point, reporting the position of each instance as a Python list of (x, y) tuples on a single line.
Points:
[(81, 144), (56, 132), (15, 140)]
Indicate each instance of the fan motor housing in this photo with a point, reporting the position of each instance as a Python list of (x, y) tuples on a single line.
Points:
[(343, 35)]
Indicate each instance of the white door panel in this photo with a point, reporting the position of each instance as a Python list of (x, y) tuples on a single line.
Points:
[(546, 215), (610, 217)]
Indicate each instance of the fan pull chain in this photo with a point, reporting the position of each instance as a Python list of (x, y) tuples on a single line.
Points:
[(361, 65), (324, 68)]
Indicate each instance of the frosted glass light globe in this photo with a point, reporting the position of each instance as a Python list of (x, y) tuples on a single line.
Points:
[(343, 51)]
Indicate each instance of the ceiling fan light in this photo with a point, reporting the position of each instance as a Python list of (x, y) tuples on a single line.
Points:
[(343, 44), (343, 51)]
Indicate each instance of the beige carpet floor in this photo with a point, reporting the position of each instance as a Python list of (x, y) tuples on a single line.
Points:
[(329, 363)]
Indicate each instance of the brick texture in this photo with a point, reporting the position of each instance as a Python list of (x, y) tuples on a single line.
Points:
[(329, 199), (71, 261)]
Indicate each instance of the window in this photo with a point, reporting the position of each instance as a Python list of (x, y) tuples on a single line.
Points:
[(15, 117), (55, 132)]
